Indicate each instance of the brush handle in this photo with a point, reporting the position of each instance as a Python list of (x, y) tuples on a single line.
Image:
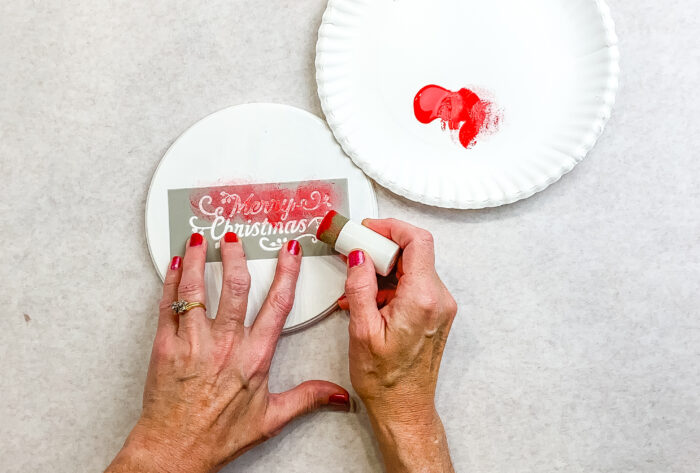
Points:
[(383, 251)]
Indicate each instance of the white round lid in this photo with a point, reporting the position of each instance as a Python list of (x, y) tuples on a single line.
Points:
[(268, 172)]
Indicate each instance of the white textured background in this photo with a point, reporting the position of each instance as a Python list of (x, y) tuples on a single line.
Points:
[(577, 347)]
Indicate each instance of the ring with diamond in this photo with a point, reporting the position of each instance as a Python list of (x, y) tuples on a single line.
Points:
[(181, 307)]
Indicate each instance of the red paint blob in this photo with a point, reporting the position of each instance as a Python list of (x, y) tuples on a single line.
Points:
[(462, 110)]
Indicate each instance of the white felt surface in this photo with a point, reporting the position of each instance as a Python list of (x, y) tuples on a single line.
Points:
[(577, 347)]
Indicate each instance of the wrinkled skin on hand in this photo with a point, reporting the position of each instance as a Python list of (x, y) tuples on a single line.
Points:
[(395, 350), (206, 399)]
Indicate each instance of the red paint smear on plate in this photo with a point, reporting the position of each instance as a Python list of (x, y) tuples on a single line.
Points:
[(275, 203), (463, 110)]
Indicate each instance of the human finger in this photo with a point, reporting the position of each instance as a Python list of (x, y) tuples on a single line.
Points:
[(191, 289), (418, 253), (168, 319), (384, 296), (361, 293), (235, 287), (280, 299), (303, 399)]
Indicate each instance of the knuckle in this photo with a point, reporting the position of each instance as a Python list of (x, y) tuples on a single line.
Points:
[(270, 432), (281, 302), (162, 349), (427, 302), (451, 306), (288, 270), (165, 304), (359, 332), (309, 401), (425, 237), (259, 366), (238, 284), (190, 289), (356, 286), (171, 281)]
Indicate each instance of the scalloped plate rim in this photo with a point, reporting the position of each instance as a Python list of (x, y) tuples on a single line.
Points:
[(597, 126)]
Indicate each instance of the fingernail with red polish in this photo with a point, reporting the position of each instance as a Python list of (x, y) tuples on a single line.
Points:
[(196, 239), (230, 237), (356, 258), (175, 263), (293, 247), (341, 401)]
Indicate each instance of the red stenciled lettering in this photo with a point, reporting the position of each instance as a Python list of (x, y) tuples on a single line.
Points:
[(274, 203)]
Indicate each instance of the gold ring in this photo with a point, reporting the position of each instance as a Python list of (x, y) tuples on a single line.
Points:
[(181, 307)]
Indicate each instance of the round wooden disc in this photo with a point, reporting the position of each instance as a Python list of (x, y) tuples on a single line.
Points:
[(257, 146)]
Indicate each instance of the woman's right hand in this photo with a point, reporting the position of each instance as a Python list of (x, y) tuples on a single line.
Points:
[(395, 351)]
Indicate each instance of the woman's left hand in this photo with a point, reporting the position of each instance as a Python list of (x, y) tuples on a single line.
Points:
[(206, 399)]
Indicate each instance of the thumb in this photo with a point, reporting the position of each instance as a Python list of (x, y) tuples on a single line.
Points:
[(303, 399), (361, 293), (384, 296)]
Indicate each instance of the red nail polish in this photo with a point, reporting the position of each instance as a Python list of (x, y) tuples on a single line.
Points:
[(340, 400), (356, 258), (293, 247), (196, 239), (230, 237), (175, 263)]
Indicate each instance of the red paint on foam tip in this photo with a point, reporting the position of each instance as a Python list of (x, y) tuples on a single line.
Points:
[(462, 110), (325, 223)]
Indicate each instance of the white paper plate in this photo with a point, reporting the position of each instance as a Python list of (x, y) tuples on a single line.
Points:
[(259, 143), (551, 66)]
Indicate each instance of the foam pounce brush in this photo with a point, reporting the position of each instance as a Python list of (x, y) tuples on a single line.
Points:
[(344, 236)]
